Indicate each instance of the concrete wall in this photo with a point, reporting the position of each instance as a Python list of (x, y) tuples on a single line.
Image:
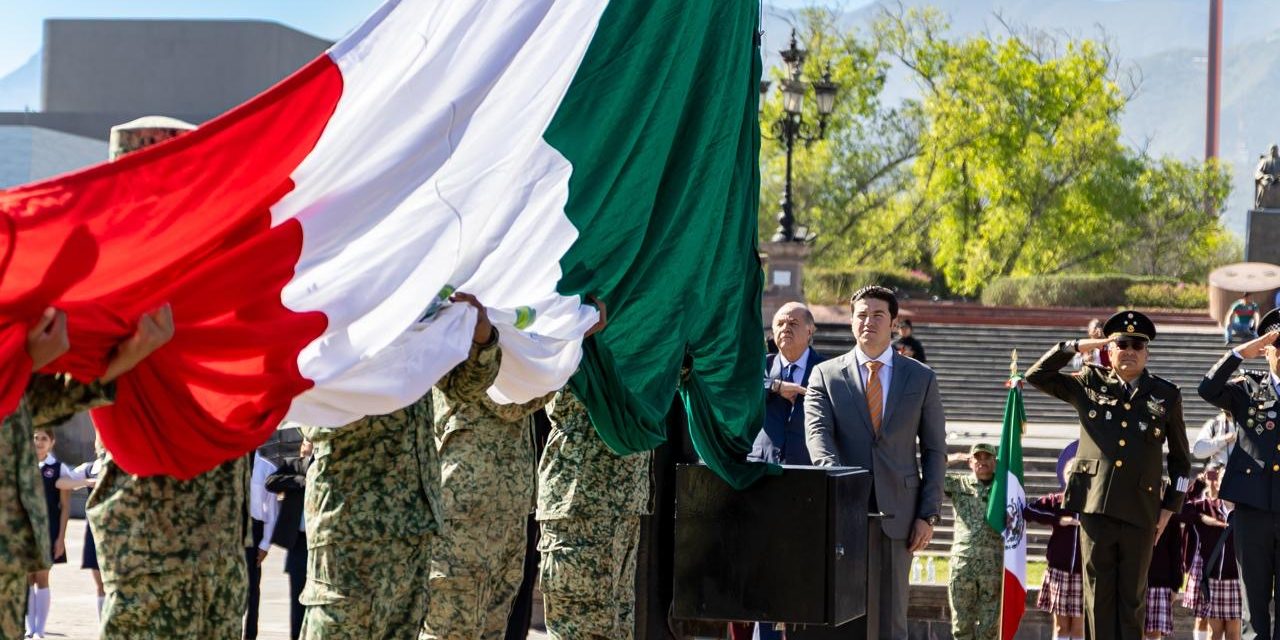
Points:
[(166, 67), (31, 153)]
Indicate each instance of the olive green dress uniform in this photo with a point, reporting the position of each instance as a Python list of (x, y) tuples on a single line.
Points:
[(590, 501), (977, 558), (1115, 482), (372, 507), (488, 473), (171, 552), (24, 518)]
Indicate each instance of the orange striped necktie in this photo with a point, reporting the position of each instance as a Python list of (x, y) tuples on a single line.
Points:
[(875, 395)]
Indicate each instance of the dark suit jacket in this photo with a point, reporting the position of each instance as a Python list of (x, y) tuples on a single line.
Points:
[(781, 441), (1252, 476), (839, 433), (291, 480)]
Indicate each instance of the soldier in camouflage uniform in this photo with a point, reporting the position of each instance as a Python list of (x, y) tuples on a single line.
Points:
[(488, 472), (590, 501), (170, 551), (49, 400), (977, 551), (372, 507)]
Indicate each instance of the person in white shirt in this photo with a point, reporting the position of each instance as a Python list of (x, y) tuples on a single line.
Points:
[(1216, 439), (58, 503), (81, 477), (263, 509)]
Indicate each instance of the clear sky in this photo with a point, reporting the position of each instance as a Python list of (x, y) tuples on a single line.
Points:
[(21, 30)]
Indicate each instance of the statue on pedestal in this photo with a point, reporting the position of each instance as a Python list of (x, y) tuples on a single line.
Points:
[(1266, 190)]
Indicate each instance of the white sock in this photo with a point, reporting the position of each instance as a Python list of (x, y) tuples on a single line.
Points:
[(1199, 635), (31, 609), (42, 610), (100, 599)]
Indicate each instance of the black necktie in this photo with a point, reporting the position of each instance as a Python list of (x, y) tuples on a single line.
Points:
[(789, 373)]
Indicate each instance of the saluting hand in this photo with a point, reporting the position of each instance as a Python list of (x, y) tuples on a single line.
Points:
[(1255, 347), (1092, 344)]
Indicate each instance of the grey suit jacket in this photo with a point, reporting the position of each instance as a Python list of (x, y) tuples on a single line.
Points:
[(838, 431)]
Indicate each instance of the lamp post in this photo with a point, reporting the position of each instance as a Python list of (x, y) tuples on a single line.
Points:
[(791, 128)]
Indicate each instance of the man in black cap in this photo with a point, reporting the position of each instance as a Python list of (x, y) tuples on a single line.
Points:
[(1126, 417), (1252, 476)]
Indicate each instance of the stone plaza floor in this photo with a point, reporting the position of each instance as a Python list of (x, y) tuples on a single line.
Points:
[(73, 613)]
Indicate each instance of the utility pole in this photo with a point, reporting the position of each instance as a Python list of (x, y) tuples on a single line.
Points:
[(1214, 89)]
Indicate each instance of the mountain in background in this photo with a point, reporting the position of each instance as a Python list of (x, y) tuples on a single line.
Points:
[(1166, 42), (20, 89)]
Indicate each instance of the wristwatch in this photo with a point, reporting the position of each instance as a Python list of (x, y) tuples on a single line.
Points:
[(933, 520)]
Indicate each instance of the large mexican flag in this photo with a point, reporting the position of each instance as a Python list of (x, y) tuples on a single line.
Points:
[(530, 152), (1004, 511)]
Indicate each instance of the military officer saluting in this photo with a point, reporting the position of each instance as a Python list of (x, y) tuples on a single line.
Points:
[(1127, 416), (1252, 477)]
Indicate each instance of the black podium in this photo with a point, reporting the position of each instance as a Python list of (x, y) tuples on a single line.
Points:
[(793, 548)]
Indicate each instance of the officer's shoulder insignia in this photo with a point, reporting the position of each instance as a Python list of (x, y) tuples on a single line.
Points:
[(1166, 384)]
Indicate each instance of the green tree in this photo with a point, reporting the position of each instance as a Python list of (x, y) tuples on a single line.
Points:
[(1009, 162), (1178, 231)]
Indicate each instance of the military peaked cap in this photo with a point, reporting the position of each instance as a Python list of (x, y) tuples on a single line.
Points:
[(1130, 323), (1269, 322)]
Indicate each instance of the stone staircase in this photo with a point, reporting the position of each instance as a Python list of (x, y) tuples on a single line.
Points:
[(972, 364)]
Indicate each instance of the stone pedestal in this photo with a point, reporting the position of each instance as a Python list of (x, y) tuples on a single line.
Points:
[(1227, 284), (1262, 236), (784, 264)]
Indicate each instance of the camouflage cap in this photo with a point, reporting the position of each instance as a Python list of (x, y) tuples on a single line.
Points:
[(982, 447), (144, 132)]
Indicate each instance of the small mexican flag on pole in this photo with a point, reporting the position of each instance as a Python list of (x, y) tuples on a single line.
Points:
[(1004, 511)]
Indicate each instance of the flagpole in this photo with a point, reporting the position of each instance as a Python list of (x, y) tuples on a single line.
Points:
[(1013, 374)]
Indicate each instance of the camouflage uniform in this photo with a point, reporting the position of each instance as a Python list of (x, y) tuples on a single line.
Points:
[(24, 519), (488, 477), (977, 561), (171, 552), (589, 505), (372, 507)]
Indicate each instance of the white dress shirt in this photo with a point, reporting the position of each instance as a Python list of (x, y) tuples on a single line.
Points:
[(263, 505), (780, 364), (885, 374), (66, 471)]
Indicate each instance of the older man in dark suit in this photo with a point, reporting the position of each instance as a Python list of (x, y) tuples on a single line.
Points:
[(874, 408), (781, 441)]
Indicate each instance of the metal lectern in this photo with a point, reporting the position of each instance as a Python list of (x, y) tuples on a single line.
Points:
[(794, 548)]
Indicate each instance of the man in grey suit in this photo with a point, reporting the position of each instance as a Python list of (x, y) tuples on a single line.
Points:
[(872, 408)]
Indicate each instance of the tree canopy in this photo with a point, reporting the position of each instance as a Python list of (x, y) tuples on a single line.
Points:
[(1009, 160)]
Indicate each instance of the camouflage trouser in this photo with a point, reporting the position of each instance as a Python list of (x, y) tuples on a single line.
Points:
[(197, 600), (477, 566), (588, 577), (373, 590), (13, 603), (974, 595)]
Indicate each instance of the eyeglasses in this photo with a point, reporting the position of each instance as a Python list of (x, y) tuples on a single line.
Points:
[(1132, 345)]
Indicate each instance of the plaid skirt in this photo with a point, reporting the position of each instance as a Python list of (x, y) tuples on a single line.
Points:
[(1061, 593), (1222, 601), (1159, 611), (1191, 591)]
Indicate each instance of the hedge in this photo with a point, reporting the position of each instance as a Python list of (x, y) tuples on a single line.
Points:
[(1074, 290), (835, 286), (1168, 296)]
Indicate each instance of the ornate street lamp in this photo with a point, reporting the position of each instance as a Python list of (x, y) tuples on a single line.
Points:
[(791, 127)]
